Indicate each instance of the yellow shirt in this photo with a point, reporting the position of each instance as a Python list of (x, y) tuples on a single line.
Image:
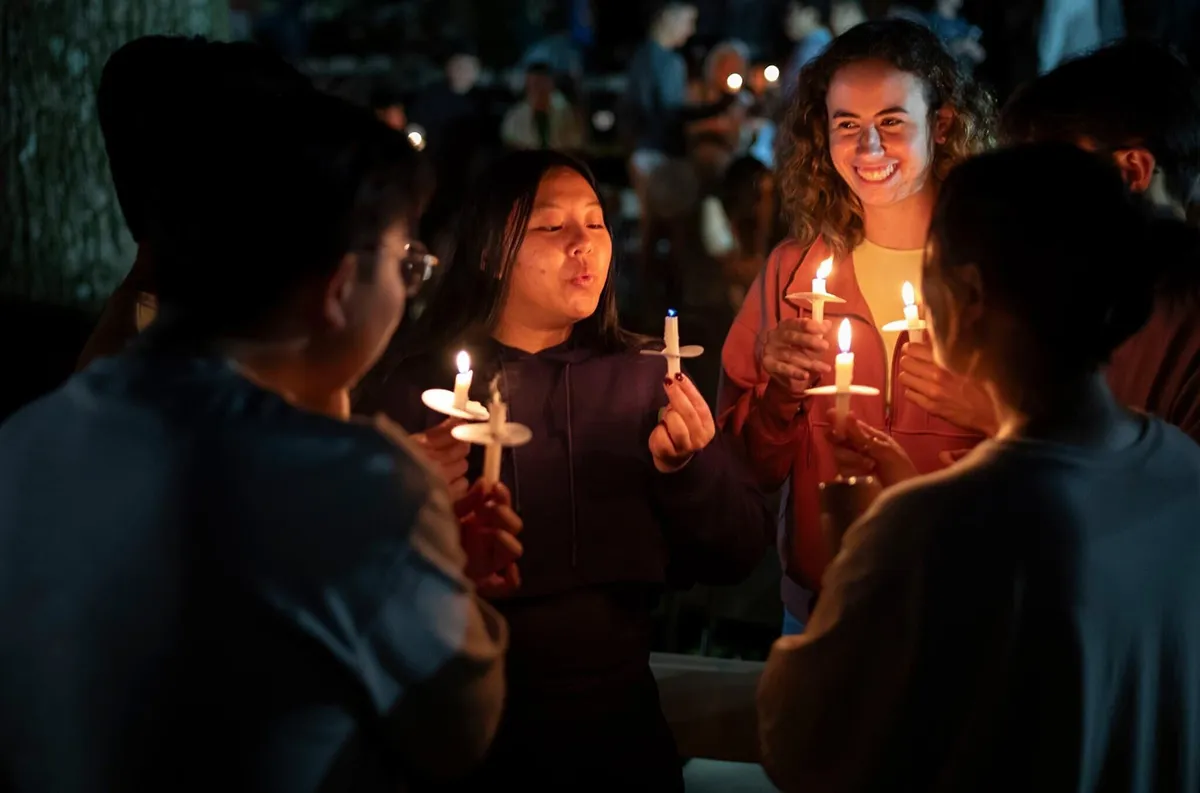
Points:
[(881, 273)]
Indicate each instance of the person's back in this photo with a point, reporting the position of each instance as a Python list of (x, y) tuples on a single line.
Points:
[(1058, 604), (206, 588)]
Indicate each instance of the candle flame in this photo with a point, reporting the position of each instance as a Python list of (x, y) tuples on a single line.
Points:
[(907, 293), (734, 82), (771, 73), (844, 336), (671, 312), (464, 362), (825, 268)]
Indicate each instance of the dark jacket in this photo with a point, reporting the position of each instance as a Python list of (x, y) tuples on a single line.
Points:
[(602, 529)]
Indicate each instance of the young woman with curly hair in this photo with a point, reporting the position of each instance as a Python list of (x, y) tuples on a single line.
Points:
[(877, 122)]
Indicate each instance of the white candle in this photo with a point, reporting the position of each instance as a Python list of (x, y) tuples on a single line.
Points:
[(671, 340), (843, 374), (497, 418), (818, 288), (911, 314), (462, 381)]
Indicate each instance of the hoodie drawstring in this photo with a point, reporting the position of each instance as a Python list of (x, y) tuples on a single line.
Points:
[(571, 470)]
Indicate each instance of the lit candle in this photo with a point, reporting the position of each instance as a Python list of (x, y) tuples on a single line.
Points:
[(771, 73), (462, 381), (818, 288), (497, 418), (911, 316), (671, 339), (734, 82), (843, 374)]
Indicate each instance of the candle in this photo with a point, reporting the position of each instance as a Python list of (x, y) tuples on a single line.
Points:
[(734, 82), (911, 315), (818, 288), (462, 381), (771, 73), (843, 374), (497, 418), (671, 339)]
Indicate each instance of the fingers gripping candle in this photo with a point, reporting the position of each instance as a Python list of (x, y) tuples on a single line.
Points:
[(462, 381), (671, 341), (843, 374)]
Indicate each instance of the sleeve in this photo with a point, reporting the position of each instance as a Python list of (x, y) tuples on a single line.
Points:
[(772, 427), (369, 565), (828, 699), (715, 520)]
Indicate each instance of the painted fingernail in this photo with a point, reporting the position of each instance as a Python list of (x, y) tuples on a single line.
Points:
[(667, 382), (679, 376)]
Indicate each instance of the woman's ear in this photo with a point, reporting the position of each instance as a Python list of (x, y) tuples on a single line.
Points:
[(942, 123), (1137, 168)]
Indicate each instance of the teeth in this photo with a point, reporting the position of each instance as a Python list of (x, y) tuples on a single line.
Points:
[(877, 174)]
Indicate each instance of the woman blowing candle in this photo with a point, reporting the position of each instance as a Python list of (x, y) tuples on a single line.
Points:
[(610, 495), (1030, 618)]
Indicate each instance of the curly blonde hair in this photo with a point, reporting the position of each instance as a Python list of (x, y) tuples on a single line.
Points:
[(816, 200)]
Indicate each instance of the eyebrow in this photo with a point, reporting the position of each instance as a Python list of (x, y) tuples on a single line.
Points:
[(554, 205), (885, 112)]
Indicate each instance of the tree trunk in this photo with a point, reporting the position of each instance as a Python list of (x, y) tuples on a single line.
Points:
[(62, 237)]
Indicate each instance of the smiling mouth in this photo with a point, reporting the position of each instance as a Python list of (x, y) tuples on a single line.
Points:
[(877, 174)]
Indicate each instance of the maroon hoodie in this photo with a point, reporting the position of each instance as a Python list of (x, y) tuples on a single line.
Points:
[(604, 532)]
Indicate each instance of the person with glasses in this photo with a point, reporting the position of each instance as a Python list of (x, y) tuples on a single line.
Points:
[(624, 487), (213, 578)]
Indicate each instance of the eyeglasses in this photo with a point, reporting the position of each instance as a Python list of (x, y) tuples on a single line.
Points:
[(416, 267)]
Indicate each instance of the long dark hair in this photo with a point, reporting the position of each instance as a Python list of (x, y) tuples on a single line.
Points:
[(467, 305)]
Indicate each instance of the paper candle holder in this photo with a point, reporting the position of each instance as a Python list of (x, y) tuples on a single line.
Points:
[(853, 390), (442, 401), (510, 434), (904, 324), (688, 351), (813, 297)]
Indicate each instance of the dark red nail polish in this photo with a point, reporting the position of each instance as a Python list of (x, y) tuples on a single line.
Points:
[(667, 382), (679, 376)]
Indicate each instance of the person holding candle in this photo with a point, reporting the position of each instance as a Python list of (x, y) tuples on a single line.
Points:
[(213, 577), (1030, 618), (616, 501), (879, 119)]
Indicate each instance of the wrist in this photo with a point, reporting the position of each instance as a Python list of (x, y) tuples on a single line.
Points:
[(782, 405)]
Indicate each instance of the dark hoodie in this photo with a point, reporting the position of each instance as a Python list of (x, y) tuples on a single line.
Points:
[(604, 533)]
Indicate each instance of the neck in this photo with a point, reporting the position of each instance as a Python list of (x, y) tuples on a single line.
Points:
[(1079, 412), (280, 368), (904, 225), (529, 339)]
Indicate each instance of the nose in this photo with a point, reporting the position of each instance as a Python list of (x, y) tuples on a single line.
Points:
[(869, 141), (580, 243)]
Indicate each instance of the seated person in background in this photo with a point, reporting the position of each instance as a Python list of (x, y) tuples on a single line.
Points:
[(149, 91), (211, 578), (1140, 105), (543, 119), (1028, 619), (623, 488)]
